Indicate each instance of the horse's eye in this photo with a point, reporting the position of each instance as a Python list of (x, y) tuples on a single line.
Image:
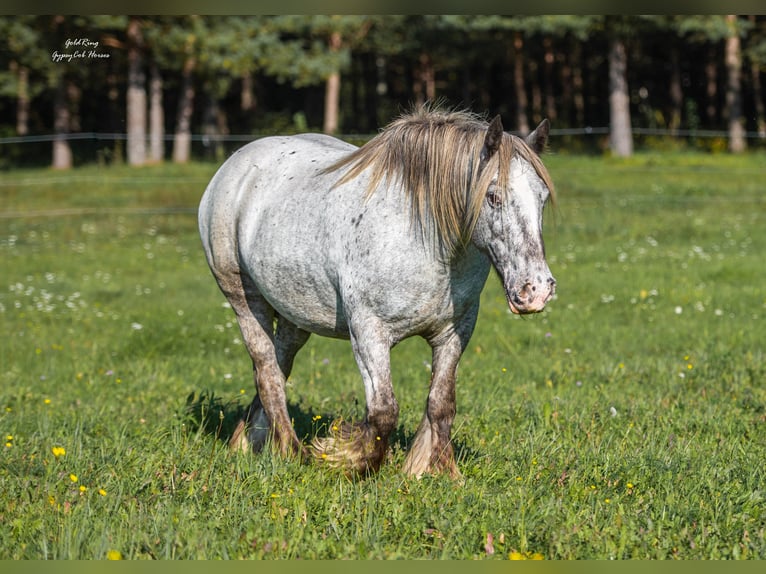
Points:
[(494, 199)]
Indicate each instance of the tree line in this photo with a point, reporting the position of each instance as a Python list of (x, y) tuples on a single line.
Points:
[(158, 84)]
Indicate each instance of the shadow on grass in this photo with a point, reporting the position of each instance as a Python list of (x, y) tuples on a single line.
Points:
[(209, 414)]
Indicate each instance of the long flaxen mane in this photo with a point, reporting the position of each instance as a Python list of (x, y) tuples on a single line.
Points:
[(436, 157)]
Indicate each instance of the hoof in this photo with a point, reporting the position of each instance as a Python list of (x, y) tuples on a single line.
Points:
[(428, 458), (352, 448), (251, 432)]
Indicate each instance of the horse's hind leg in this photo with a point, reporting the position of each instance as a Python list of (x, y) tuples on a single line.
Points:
[(272, 355)]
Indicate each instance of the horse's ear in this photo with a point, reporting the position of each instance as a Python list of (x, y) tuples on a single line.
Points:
[(493, 138), (538, 138)]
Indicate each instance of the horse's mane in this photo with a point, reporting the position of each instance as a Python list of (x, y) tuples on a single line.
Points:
[(435, 156)]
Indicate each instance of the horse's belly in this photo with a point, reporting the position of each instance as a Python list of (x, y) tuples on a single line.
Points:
[(313, 310), (290, 273)]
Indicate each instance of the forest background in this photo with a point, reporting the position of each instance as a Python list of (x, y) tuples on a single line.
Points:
[(147, 89)]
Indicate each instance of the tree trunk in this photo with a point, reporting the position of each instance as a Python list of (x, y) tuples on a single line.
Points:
[(755, 75), (425, 83), (522, 123), (737, 143), (116, 117), (370, 102), (62, 152), (182, 139), (760, 112), (550, 99), (620, 133), (578, 84), (711, 88), (22, 102), (156, 117), (332, 91), (331, 103), (74, 95), (247, 93), (136, 97), (466, 82), (214, 127), (537, 95), (676, 92)]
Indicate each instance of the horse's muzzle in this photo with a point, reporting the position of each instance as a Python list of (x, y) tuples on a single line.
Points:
[(531, 297)]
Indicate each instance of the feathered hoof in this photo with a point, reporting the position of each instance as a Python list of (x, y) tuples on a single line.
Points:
[(428, 458), (249, 438), (354, 449)]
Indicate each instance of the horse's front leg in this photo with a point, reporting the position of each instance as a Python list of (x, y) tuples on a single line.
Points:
[(360, 448), (431, 451)]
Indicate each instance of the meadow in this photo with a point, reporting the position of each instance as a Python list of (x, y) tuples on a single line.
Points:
[(626, 421)]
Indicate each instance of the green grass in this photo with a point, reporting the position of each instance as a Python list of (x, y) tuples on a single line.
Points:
[(627, 421)]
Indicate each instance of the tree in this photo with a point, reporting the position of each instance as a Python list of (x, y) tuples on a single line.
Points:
[(737, 142), (316, 49), (563, 38), (20, 38), (756, 54), (620, 131), (182, 139), (175, 43), (156, 116), (136, 95), (62, 152), (33, 43)]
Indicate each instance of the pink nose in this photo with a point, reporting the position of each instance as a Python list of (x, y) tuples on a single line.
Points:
[(532, 297)]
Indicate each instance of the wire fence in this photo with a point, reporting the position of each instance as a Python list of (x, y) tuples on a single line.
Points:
[(212, 138), (110, 148)]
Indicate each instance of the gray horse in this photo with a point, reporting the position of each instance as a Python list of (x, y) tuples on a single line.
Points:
[(308, 234)]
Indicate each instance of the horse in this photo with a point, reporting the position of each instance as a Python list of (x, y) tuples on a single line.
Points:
[(309, 234)]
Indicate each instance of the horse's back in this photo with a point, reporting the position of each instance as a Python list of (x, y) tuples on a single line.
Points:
[(265, 175), (326, 141)]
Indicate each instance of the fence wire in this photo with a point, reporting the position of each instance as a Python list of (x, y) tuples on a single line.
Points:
[(215, 138)]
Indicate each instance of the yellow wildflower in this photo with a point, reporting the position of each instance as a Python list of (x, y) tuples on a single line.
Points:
[(102, 492), (114, 555), (73, 477), (525, 556), (58, 451)]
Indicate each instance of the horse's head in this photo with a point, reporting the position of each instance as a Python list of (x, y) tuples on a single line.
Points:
[(509, 228)]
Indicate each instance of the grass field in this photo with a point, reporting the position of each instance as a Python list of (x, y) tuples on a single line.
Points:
[(627, 421)]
